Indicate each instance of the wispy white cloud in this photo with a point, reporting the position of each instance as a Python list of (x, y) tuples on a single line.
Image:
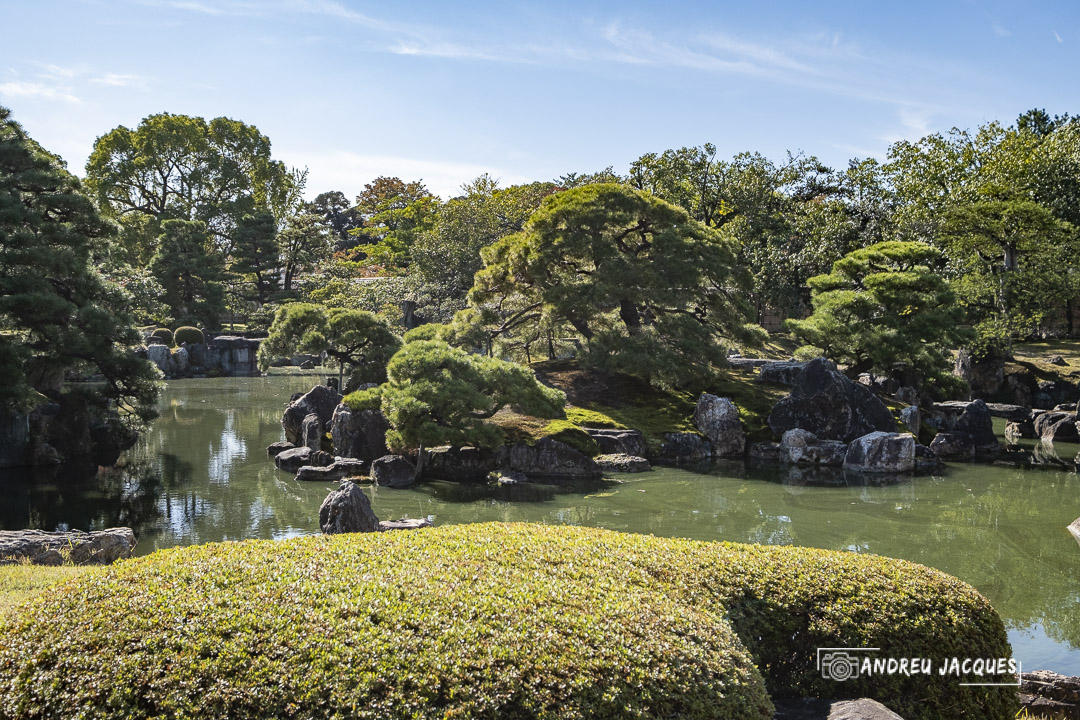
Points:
[(1000, 30), (37, 90), (1058, 37), (121, 80)]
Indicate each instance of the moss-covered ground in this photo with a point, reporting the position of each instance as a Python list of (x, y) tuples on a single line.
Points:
[(487, 621)]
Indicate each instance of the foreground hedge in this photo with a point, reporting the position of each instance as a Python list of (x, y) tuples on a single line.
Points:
[(486, 621)]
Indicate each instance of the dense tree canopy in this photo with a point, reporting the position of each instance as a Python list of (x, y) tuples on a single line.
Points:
[(191, 273), (356, 340), (647, 289), (884, 309), (177, 167), (57, 313)]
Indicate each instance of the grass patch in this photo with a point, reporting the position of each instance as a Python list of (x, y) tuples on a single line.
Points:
[(592, 419), (488, 621), (21, 581)]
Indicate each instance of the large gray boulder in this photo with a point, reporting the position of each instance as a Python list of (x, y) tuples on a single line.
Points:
[(614, 442), (358, 434), (781, 372), (393, 471), (1056, 427), (549, 459), (311, 431), (717, 418), (801, 447), (292, 460), (861, 709), (459, 464), (828, 404), (159, 355), (968, 435), (337, 470), (912, 418), (685, 447), (347, 510), (881, 452), (100, 547), (320, 400)]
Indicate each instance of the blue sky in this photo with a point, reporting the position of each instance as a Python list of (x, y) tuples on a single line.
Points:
[(445, 91)]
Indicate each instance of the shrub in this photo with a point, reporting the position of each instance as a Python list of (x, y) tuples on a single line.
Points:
[(165, 334), (485, 621), (369, 399), (466, 622), (189, 335)]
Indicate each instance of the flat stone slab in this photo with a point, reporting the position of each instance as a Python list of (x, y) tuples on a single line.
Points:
[(100, 547), (404, 524), (1016, 413)]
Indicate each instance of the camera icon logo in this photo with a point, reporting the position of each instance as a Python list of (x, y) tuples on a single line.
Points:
[(840, 664)]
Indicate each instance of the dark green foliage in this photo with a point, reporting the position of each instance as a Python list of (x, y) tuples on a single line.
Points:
[(57, 313), (1016, 261), (884, 309), (358, 341), (189, 335), (177, 167), (438, 395), (190, 271), (255, 255), (165, 334), (489, 621), (648, 290)]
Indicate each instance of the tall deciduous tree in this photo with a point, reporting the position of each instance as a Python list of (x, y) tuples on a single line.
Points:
[(647, 289), (394, 214), (884, 309), (302, 244), (176, 167), (56, 311), (191, 273)]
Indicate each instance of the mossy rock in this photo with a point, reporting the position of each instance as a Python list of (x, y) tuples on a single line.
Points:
[(486, 621)]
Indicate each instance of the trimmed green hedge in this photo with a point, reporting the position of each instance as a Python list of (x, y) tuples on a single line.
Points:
[(165, 334), (486, 621), (188, 334)]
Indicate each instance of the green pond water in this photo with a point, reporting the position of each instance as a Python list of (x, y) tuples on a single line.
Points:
[(202, 475)]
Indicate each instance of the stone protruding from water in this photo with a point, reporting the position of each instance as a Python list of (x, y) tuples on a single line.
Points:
[(622, 463), (881, 452), (358, 434), (320, 400), (347, 510), (550, 459), (802, 447), (393, 471), (827, 403), (969, 435), (1048, 694), (717, 418), (614, 442), (685, 447), (100, 547)]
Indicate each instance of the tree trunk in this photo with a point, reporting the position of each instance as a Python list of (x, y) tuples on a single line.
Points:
[(629, 313), (419, 462)]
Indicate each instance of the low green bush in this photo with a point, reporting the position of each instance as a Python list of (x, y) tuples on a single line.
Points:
[(165, 334), (189, 335), (487, 621), (359, 400)]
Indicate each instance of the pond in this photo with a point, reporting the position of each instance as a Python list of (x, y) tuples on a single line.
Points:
[(202, 475)]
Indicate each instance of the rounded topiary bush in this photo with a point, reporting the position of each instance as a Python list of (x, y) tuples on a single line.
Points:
[(475, 621), (485, 621), (189, 335), (164, 334)]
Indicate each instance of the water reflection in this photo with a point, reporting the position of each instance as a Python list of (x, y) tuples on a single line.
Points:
[(201, 475)]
